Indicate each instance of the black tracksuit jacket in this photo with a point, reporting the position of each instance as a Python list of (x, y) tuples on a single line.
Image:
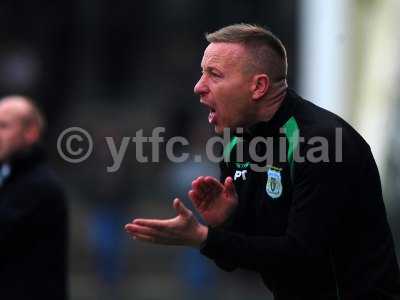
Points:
[(313, 230), (33, 231)]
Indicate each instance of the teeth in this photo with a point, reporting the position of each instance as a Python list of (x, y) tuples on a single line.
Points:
[(211, 116)]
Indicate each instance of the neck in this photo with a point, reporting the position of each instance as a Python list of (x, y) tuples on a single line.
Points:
[(273, 101)]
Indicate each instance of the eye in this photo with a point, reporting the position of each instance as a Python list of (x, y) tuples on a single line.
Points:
[(211, 72), (215, 73)]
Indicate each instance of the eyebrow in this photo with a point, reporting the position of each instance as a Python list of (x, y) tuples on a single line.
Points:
[(210, 69)]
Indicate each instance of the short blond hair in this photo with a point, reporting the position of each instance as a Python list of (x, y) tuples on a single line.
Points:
[(267, 52)]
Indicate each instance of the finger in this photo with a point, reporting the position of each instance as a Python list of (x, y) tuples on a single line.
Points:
[(197, 180), (199, 203), (213, 183), (206, 186), (198, 186), (193, 196), (196, 200), (211, 188), (149, 234), (229, 186), (137, 235), (215, 187), (144, 238), (154, 223), (203, 186), (137, 229), (181, 208)]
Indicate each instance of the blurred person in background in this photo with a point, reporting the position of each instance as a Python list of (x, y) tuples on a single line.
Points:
[(312, 228), (33, 214)]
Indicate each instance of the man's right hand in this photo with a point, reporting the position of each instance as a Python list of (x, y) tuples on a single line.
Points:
[(213, 200)]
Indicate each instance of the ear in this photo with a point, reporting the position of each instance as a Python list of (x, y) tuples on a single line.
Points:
[(259, 86), (32, 135)]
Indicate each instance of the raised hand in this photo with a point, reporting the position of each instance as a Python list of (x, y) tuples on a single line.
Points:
[(213, 200), (184, 229)]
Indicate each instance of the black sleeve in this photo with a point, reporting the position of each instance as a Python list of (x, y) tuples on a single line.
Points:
[(312, 221), (29, 205), (233, 224)]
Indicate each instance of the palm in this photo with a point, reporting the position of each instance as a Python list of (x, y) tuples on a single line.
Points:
[(213, 200), (184, 229)]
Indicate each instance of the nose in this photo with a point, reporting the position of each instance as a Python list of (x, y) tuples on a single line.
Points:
[(201, 87)]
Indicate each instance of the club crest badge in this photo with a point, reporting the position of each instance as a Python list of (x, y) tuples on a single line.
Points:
[(274, 183)]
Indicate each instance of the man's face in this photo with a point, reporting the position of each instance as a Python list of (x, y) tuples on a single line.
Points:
[(224, 86), (12, 133)]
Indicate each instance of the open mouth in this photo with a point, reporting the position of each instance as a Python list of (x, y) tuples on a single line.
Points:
[(212, 116), (212, 112)]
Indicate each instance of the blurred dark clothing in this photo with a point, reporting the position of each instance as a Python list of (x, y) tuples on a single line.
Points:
[(33, 230)]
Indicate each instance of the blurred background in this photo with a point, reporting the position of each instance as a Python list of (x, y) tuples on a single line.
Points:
[(116, 67)]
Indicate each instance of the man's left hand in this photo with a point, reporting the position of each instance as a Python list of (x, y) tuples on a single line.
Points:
[(183, 230)]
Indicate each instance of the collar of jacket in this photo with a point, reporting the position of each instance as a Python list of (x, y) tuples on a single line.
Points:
[(23, 160), (283, 114)]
